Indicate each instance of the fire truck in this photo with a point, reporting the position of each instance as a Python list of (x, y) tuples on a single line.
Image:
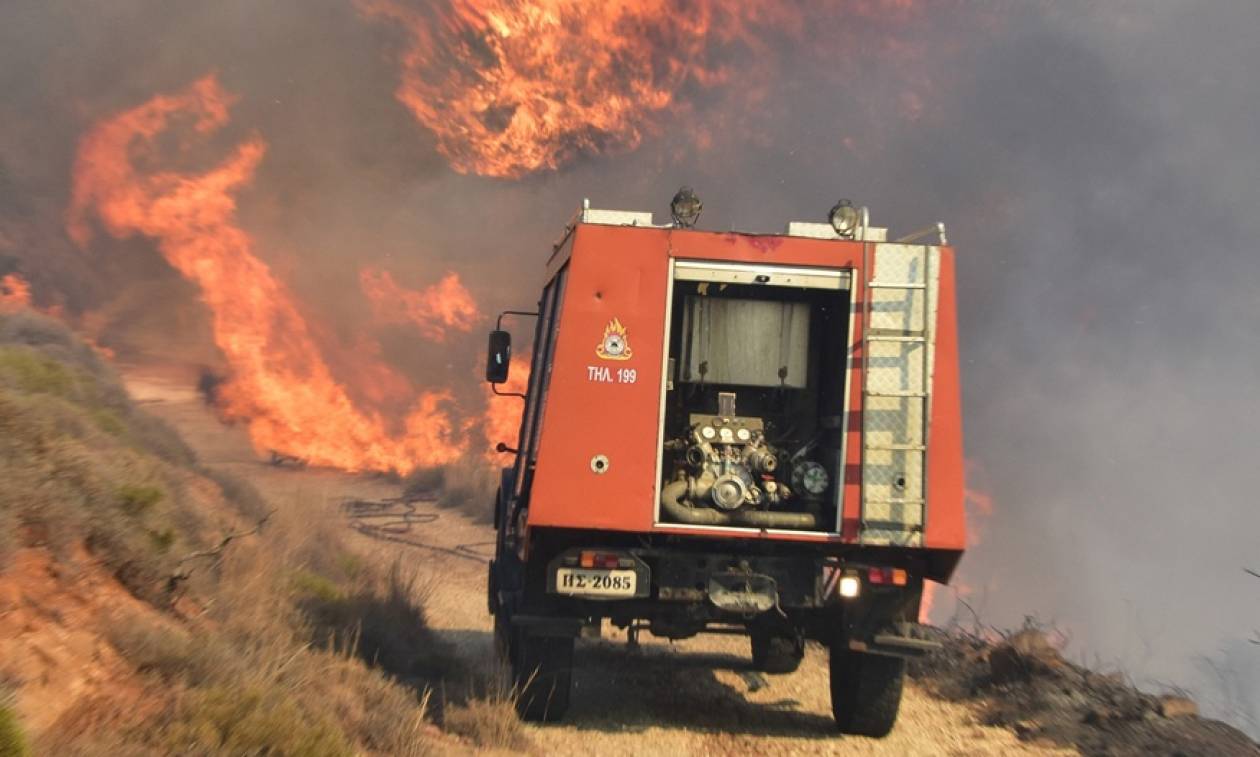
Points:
[(754, 434)]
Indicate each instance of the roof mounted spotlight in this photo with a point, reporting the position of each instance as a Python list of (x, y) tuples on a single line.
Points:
[(685, 208), (844, 219)]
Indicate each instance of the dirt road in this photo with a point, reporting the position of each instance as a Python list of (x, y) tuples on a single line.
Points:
[(694, 697)]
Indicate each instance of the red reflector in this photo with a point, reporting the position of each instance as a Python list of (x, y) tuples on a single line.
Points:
[(600, 560), (895, 576)]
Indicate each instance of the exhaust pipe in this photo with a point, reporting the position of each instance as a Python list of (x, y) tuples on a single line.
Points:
[(671, 501)]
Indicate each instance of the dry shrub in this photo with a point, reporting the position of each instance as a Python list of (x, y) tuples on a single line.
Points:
[(468, 484), (254, 720), (268, 655), (82, 464), (380, 619), (490, 723), (258, 677), (238, 492)]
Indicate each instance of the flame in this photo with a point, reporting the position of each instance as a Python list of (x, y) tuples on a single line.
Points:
[(280, 382), (510, 87), (979, 507), (445, 305), (15, 293), (615, 327), (502, 421)]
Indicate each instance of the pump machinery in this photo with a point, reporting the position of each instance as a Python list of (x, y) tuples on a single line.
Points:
[(732, 433)]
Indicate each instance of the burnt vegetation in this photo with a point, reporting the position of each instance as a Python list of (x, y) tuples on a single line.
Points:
[(1021, 681)]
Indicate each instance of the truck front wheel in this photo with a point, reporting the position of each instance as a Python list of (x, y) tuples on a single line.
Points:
[(542, 669), (865, 691)]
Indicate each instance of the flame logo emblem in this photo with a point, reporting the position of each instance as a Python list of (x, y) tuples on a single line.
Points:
[(616, 342)]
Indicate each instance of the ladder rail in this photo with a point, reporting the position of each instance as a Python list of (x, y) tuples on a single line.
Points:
[(910, 338)]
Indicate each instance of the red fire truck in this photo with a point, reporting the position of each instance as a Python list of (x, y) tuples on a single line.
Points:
[(735, 433)]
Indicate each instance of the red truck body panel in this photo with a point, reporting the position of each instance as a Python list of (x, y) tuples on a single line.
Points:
[(597, 406)]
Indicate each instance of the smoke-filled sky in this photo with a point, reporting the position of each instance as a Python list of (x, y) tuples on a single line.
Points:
[(1098, 167)]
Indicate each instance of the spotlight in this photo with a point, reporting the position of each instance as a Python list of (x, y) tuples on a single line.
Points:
[(844, 219), (686, 207)]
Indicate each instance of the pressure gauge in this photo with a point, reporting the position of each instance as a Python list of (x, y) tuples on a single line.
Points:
[(811, 478), (708, 432), (726, 435), (743, 434)]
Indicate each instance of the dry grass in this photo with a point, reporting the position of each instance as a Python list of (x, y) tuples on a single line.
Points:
[(254, 661), (468, 484), (489, 723), (81, 464)]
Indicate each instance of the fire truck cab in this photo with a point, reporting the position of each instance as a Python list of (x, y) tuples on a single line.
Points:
[(733, 433)]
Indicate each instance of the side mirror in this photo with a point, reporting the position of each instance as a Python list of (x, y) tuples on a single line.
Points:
[(498, 357)]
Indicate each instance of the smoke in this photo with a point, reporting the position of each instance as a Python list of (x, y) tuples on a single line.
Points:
[(1095, 164)]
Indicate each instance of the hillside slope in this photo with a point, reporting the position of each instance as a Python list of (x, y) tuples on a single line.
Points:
[(151, 605)]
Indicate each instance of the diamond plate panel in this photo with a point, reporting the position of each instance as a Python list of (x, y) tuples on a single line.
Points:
[(895, 366), (898, 310), (893, 479), (892, 420), (894, 474)]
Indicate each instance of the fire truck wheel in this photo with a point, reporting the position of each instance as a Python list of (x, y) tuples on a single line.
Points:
[(865, 691), (776, 654), (542, 668)]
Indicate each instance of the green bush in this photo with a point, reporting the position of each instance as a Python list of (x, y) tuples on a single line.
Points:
[(28, 371), (225, 720), (138, 499), (12, 742)]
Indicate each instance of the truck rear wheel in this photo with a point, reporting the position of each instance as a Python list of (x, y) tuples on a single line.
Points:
[(865, 691), (776, 654), (542, 669)]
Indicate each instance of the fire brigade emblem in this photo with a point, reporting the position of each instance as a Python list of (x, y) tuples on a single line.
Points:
[(616, 342)]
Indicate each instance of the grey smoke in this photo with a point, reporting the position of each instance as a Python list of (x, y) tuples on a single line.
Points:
[(1098, 167)]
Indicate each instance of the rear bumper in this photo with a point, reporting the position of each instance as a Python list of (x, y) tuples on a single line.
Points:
[(682, 593)]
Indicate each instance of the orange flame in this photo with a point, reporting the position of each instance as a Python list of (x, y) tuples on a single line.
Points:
[(15, 293), (510, 87), (280, 382), (502, 422), (445, 305), (979, 505)]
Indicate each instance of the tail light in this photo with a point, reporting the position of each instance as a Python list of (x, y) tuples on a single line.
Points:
[(887, 576), (603, 560)]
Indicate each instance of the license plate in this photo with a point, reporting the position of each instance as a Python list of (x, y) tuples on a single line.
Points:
[(595, 583)]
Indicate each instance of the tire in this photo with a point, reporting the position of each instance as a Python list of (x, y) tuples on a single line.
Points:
[(865, 691), (776, 654), (542, 669)]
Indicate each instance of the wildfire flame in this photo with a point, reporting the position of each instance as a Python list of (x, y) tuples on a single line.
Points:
[(979, 505), (15, 293), (503, 414), (510, 87), (280, 383), (445, 305)]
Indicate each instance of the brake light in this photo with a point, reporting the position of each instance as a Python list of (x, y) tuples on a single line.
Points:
[(601, 560), (887, 576)]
